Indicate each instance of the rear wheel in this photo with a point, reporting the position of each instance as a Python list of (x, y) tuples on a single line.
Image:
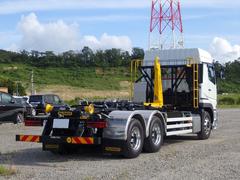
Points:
[(134, 143), (155, 139), (206, 126)]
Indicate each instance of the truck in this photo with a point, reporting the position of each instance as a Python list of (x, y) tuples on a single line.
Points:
[(173, 92)]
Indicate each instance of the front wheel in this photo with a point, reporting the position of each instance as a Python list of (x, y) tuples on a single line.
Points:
[(134, 143), (206, 126), (155, 139)]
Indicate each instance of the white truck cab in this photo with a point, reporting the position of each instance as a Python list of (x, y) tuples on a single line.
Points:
[(207, 89)]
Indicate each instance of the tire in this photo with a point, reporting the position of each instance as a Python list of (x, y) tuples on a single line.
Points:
[(135, 137), (155, 139), (206, 126), (19, 118)]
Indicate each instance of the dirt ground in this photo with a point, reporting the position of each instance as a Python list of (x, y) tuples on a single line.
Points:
[(69, 92), (181, 157)]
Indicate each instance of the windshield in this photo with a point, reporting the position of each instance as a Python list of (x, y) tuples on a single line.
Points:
[(19, 100), (35, 99)]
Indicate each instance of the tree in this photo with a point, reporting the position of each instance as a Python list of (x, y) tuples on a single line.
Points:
[(87, 55), (137, 53)]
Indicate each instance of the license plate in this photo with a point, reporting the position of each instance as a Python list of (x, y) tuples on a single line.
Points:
[(61, 123), (65, 113)]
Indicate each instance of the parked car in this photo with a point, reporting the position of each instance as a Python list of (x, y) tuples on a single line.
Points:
[(30, 110), (39, 102), (10, 110)]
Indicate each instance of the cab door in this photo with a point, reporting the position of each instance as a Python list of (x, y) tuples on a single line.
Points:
[(212, 87)]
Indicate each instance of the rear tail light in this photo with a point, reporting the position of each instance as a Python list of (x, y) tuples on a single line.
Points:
[(33, 123), (99, 124)]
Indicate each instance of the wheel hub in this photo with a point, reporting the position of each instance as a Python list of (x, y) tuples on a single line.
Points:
[(135, 140), (156, 134), (207, 125)]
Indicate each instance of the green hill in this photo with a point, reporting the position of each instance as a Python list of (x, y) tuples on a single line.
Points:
[(89, 74), (84, 77)]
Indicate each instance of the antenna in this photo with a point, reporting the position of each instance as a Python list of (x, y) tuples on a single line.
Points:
[(166, 29)]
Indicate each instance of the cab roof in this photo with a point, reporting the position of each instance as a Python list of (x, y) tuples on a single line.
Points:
[(179, 56)]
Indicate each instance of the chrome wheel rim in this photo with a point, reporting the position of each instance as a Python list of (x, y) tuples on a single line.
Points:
[(156, 134), (135, 140), (207, 125)]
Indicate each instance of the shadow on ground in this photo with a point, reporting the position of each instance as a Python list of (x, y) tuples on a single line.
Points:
[(37, 157)]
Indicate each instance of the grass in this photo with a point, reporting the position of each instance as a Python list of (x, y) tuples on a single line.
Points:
[(229, 101), (7, 171), (83, 77)]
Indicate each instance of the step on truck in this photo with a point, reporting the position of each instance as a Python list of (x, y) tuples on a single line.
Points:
[(173, 92)]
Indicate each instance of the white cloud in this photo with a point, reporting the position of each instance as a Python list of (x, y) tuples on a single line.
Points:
[(106, 42), (59, 36), (224, 51)]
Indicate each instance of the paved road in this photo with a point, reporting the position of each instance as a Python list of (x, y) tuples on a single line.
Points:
[(180, 157)]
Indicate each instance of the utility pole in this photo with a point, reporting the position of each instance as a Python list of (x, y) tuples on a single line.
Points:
[(32, 84)]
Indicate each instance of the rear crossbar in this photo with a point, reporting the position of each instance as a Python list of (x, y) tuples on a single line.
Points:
[(59, 140)]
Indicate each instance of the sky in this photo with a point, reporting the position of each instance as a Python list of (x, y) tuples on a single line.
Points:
[(62, 25)]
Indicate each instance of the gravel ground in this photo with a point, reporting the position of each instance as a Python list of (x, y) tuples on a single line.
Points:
[(182, 157)]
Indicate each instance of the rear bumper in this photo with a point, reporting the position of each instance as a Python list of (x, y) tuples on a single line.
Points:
[(59, 140), (51, 143)]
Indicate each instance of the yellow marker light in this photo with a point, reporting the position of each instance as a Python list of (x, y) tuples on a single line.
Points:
[(89, 109), (69, 140), (48, 108)]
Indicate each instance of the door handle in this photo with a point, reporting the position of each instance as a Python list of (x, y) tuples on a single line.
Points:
[(209, 90)]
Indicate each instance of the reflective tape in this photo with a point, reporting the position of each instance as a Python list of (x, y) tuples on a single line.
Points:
[(29, 138), (82, 140)]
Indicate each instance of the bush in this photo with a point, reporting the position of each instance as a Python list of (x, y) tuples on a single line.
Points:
[(226, 101), (7, 171), (13, 87), (238, 101)]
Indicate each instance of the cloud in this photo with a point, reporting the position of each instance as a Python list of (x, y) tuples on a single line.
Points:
[(223, 51), (58, 37), (107, 42)]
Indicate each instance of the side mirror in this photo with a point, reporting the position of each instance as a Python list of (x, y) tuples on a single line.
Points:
[(222, 74), (12, 101)]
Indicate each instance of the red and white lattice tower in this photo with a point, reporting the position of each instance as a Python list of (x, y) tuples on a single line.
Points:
[(166, 29)]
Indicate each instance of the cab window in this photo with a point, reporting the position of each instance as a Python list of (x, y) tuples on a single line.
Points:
[(49, 99), (56, 100), (6, 98), (211, 74)]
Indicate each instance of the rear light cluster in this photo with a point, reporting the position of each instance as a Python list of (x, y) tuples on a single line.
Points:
[(33, 123), (98, 124)]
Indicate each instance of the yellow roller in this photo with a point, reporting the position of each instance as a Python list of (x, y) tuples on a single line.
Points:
[(89, 109), (48, 108), (158, 92)]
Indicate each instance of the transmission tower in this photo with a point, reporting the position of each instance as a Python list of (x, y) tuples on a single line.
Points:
[(166, 29)]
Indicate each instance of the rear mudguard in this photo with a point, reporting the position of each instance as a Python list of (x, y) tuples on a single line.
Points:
[(119, 121)]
